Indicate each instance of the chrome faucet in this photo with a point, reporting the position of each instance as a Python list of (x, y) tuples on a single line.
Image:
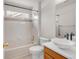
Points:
[(71, 35)]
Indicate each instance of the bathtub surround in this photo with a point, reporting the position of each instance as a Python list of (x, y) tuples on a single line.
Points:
[(20, 52), (15, 31), (19, 36)]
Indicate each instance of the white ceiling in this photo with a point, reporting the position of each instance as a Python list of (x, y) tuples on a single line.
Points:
[(23, 3), (28, 4), (31, 3)]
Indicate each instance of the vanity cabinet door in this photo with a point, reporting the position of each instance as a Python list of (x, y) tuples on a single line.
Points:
[(53, 54), (46, 56)]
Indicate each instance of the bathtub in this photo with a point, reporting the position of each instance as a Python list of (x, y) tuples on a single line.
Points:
[(18, 52)]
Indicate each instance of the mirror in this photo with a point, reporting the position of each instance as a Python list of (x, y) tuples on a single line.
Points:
[(66, 20)]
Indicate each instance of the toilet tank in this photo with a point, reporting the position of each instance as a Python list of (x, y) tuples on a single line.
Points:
[(44, 40)]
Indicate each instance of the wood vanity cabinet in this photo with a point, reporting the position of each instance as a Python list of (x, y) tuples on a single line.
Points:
[(50, 54)]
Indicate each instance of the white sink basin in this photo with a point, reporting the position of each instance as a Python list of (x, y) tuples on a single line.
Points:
[(63, 43)]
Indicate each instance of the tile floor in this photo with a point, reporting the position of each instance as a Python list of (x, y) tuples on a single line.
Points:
[(27, 57), (24, 57), (30, 57)]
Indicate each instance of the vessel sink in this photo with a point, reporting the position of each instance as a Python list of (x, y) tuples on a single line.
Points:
[(63, 43)]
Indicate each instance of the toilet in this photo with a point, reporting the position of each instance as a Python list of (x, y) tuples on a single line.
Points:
[(37, 51)]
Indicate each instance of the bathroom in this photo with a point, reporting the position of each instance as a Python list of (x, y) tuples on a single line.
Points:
[(39, 29)]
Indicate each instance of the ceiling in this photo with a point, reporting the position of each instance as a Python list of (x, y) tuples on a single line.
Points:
[(67, 2), (23, 3), (33, 3)]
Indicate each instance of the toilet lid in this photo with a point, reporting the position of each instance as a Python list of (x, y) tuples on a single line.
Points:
[(36, 48)]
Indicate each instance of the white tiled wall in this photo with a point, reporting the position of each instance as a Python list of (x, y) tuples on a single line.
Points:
[(17, 33)]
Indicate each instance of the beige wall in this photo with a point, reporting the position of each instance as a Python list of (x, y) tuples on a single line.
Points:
[(48, 20)]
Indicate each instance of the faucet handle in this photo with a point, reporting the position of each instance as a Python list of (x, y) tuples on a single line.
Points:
[(5, 45), (67, 35)]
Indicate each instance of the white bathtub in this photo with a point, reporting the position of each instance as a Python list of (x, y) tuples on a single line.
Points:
[(18, 52)]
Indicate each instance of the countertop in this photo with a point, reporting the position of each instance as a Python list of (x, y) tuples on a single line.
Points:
[(70, 54)]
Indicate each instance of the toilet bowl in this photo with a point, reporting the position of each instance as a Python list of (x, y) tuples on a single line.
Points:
[(37, 51)]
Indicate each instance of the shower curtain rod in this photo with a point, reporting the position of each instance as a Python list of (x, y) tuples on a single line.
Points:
[(21, 7)]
